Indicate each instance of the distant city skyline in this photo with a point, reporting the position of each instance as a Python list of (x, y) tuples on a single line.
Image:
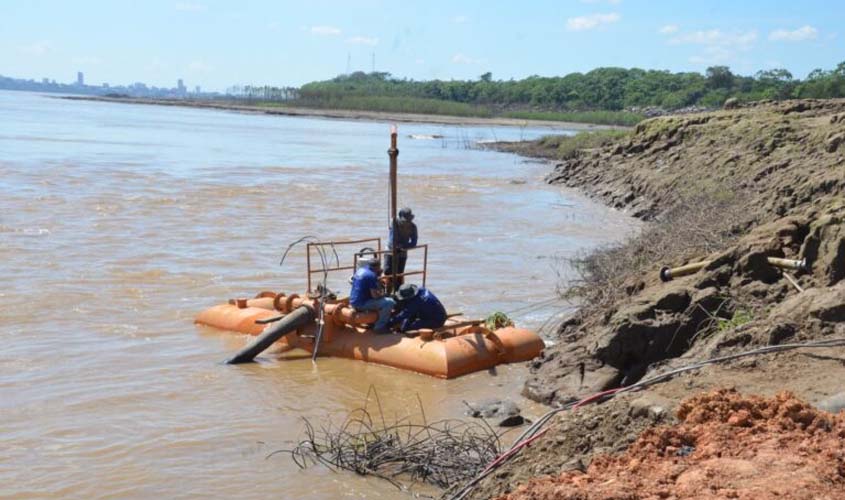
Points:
[(79, 86), (80, 80), (216, 44)]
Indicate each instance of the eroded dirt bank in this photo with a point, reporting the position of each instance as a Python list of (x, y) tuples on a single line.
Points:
[(724, 446), (733, 188)]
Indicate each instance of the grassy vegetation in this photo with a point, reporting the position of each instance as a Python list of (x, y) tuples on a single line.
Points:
[(426, 106), (563, 147), (391, 104), (739, 318), (598, 117)]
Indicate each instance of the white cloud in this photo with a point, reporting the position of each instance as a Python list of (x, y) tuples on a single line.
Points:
[(419, 61), (717, 46), (713, 55), (37, 48), (460, 19), (668, 29), (805, 32), (717, 38), (199, 66), (460, 58), (190, 7), (363, 40), (325, 30), (92, 60), (583, 23)]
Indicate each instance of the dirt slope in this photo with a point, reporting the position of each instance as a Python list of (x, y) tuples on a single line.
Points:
[(781, 168), (732, 187), (725, 446)]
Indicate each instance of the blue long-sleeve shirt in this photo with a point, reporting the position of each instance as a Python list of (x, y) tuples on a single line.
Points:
[(422, 311), (363, 282), (404, 236)]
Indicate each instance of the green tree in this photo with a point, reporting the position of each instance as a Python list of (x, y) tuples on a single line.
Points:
[(719, 77)]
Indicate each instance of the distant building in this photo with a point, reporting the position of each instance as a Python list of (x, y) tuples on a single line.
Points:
[(198, 90), (80, 78), (180, 86), (105, 85), (45, 81)]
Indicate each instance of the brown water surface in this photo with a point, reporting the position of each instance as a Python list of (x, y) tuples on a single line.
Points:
[(118, 223)]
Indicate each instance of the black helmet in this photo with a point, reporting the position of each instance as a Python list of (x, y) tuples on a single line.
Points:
[(406, 292), (406, 214)]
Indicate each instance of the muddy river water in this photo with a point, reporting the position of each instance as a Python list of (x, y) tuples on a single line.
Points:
[(118, 223)]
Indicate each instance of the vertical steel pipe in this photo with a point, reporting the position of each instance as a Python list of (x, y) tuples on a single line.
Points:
[(393, 153)]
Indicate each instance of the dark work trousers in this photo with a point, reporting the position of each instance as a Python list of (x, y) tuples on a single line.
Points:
[(401, 258)]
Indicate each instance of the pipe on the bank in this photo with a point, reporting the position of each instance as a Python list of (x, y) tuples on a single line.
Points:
[(793, 264), (669, 273)]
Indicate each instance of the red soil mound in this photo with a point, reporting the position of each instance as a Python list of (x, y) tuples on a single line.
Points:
[(725, 446)]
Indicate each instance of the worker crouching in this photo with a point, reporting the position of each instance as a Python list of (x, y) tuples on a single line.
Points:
[(418, 309)]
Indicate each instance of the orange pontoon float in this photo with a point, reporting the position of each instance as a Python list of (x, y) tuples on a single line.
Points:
[(325, 325)]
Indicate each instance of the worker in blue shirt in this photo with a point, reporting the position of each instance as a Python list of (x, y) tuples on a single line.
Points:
[(367, 293), (419, 308), (403, 235)]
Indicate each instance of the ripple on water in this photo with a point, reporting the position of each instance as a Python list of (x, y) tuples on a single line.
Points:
[(150, 215)]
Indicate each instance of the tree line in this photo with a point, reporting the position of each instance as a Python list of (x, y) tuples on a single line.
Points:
[(602, 89)]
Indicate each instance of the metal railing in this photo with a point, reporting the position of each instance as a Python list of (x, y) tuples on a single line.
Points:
[(332, 247), (423, 271)]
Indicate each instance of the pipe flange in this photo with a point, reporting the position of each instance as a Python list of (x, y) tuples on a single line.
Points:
[(266, 294), (289, 302), (279, 302)]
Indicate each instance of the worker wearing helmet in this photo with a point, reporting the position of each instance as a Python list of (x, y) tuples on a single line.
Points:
[(367, 293), (403, 235), (418, 308)]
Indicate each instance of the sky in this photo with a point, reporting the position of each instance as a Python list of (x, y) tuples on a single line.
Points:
[(217, 44)]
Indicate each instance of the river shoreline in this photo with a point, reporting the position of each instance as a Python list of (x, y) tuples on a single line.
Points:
[(711, 186), (344, 114)]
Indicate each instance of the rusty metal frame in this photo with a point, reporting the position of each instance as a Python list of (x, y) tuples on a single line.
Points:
[(424, 271), (334, 244), (379, 252)]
